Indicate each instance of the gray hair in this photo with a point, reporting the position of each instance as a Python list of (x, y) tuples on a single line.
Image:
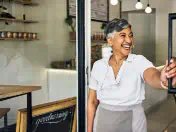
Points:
[(111, 35), (115, 25)]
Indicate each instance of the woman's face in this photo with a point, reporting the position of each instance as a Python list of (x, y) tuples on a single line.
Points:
[(122, 42)]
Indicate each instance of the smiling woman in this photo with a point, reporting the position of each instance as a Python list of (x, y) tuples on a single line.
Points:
[(121, 39), (117, 84)]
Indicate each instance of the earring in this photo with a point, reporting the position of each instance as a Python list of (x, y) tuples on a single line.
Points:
[(133, 46)]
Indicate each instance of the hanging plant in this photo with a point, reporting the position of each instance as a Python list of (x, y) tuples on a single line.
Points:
[(103, 25), (70, 22)]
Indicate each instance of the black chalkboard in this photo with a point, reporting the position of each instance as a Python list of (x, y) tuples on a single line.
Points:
[(56, 121)]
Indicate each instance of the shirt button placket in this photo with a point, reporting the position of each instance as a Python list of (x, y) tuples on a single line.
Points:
[(118, 79)]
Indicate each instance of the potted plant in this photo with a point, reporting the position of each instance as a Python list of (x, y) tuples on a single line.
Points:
[(103, 25), (72, 24)]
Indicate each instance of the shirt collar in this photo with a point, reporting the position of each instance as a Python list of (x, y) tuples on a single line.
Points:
[(129, 58)]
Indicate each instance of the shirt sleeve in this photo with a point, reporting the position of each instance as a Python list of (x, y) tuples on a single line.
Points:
[(93, 82), (144, 64)]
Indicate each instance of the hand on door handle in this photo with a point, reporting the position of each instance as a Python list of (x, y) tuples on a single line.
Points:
[(169, 71)]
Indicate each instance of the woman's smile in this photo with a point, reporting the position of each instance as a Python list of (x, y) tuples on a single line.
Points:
[(126, 46)]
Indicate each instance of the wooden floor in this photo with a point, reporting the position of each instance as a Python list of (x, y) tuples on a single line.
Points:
[(163, 117)]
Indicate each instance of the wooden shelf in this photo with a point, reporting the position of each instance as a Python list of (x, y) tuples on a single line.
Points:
[(17, 39), (24, 3), (18, 20), (93, 41), (138, 11), (98, 41)]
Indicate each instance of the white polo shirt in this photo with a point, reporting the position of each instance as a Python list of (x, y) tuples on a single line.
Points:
[(128, 87)]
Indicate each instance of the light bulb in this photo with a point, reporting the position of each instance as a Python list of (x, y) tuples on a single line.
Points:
[(148, 9), (139, 5), (114, 2)]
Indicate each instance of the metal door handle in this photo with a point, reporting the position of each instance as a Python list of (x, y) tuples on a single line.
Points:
[(172, 16)]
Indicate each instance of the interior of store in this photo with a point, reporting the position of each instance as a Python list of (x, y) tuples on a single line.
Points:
[(43, 59)]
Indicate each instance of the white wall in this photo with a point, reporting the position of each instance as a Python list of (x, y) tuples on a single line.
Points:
[(52, 29), (143, 27)]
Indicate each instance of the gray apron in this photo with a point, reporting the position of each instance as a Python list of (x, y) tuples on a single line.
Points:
[(110, 118)]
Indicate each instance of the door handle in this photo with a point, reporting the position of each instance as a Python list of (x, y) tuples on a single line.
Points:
[(172, 16)]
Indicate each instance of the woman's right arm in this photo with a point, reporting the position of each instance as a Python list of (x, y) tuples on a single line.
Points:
[(91, 109)]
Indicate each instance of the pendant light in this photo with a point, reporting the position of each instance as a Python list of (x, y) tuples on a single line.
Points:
[(114, 2), (139, 5), (148, 9)]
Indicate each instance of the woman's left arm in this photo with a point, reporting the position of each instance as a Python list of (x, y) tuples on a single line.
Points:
[(157, 79)]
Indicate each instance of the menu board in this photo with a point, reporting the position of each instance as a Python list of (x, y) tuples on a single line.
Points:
[(58, 116)]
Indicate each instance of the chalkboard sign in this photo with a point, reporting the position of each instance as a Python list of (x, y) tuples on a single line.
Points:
[(59, 116), (59, 120)]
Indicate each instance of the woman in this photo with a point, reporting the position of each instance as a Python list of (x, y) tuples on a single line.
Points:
[(116, 88)]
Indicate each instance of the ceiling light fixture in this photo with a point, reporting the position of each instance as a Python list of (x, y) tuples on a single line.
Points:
[(148, 9), (139, 5), (114, 2)]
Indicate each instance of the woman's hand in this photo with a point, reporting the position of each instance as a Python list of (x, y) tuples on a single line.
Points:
[(169, 72), (92, 104)]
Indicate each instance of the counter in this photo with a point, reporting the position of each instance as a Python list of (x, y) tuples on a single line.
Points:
[(62, 83), (153, 96), (159, 68)]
